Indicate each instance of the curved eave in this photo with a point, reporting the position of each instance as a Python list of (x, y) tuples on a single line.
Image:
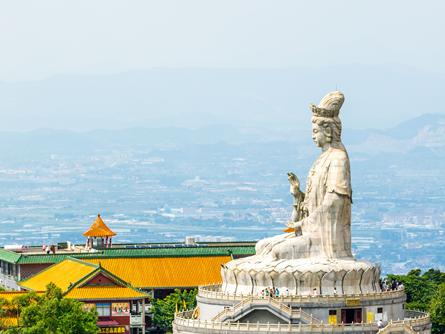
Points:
[(98, 235)]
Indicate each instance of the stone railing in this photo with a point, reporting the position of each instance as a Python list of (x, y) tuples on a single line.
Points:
[(306, 317), (252, 300), (214, 292), (184, 324), (414, 322), (397, 328)]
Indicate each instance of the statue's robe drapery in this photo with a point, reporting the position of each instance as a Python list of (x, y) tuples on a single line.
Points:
[(328, 202), (326, 231)]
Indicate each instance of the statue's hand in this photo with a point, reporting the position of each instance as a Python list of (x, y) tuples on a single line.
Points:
[(295, 225), (294, 183)]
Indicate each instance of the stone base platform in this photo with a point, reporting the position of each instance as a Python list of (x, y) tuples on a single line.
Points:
[(311, 276), (220, 313), (212, 301)]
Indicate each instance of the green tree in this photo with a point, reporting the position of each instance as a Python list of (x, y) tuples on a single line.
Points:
[(53, 314), (425, 292), (164, 309), (437, 310), (4, 306), (20, 302), (435, 275), (419, 289)]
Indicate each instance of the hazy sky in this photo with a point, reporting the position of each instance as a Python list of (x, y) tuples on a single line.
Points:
[(46, 39), (43, 38)]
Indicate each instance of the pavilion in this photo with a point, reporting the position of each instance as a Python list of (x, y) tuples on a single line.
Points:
[(100, 232)]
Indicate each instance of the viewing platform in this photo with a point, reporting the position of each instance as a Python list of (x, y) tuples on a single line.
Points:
[(415, 321), (214, 291), (302, 310)]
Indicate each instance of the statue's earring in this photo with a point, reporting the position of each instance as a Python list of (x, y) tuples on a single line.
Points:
[(328, 134)]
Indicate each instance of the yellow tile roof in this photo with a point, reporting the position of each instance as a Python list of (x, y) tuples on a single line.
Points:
[(67, 272), (104, 292), (10, 295), (99, 229), (165, 272), (9, 321)]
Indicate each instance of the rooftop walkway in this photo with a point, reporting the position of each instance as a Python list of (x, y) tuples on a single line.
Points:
[(35, 255)]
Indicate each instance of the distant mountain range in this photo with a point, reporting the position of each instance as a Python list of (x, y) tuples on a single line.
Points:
[(376, 97), (426, 132), (423, 136)]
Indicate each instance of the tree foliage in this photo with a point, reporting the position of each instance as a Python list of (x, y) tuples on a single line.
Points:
[(437, 310), (425, 292), (52, 314), (4, 306), (164, 309), (419, 289)]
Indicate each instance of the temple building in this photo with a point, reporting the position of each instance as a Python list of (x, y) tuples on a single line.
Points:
[(156, 268), (121, 307), (119, 279), (118, 275)]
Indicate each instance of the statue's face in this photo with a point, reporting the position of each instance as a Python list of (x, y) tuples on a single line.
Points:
[(318, 135)]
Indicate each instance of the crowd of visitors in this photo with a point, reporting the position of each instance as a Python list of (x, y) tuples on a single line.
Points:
[(273, 293), (385, 285), (393, 285)]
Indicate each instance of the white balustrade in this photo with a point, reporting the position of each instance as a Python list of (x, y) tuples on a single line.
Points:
[(183, 319)]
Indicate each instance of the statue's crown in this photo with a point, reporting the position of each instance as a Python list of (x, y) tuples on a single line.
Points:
[(329, 106)]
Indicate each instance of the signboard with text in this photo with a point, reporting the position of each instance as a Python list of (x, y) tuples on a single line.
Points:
[(353, 302), (106, 330)]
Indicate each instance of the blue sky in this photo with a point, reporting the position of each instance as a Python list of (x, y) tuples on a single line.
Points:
[(45, 39)]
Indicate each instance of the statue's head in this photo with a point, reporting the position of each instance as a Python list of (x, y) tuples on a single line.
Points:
[(326, 125)]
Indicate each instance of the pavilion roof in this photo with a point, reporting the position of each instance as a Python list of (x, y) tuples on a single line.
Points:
[(99, 229)]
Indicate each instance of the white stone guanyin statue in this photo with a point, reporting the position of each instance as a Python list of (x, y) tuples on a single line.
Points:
[(316, 255), (325, 227)]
